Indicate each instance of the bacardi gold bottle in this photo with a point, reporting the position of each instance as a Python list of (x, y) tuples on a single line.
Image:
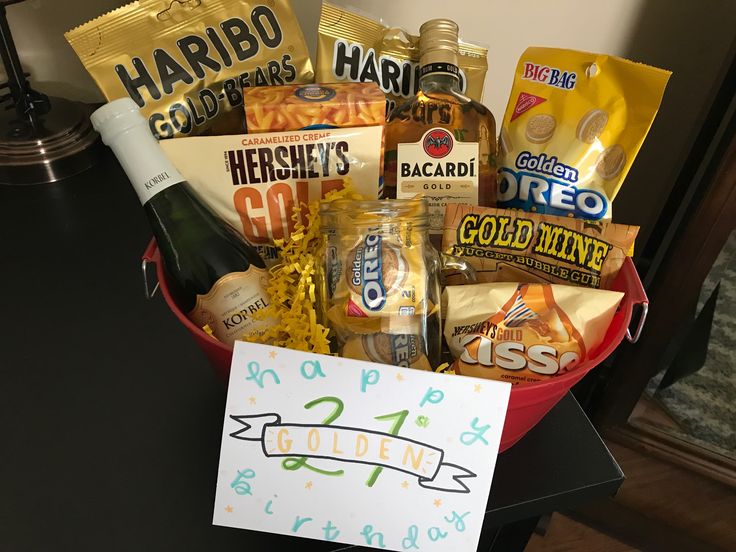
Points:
[(441, 143)]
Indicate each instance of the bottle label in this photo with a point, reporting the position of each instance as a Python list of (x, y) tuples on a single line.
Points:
[(442, 68), (149, 185), (441, 168), (229, 306)]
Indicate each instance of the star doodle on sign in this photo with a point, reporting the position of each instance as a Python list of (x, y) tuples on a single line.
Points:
[(399, 377), (405, 485), (252, 400), (437, 502), (273, 354), (477, 387), (229, 509), (308, 486)]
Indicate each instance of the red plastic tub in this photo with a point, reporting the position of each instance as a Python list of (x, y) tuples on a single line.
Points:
[(527, 405)]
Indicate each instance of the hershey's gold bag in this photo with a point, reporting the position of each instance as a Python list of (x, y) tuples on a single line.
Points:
[(185, 62), (354, 48), (522, 333)]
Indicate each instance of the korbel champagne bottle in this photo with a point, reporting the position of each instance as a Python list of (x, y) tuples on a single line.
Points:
[(216, 277)]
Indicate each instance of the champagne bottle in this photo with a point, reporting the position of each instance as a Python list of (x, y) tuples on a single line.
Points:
[(215, 276)]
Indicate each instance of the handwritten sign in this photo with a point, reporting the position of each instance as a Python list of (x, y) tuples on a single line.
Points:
[(354, 452)]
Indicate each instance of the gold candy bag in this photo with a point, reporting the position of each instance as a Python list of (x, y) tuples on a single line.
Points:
[(185, 62), (506, 245), (573, 125), (358, 49), (524, 333)]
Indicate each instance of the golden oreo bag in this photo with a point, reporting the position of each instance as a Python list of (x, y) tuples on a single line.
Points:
[(358, 49), (522, 333), (573, 125), (185, 62)]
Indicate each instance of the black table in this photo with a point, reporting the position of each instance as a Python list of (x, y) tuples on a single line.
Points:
[(111, 417)]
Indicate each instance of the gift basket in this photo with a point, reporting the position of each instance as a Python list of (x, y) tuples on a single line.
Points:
[(378, 213)]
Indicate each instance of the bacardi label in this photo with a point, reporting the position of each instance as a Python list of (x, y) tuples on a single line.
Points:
[(441, 168)]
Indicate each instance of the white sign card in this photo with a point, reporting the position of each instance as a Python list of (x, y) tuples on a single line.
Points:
[(355, 452)]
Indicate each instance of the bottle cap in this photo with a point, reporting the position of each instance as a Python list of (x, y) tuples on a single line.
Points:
[(116, 117), (438, 34)]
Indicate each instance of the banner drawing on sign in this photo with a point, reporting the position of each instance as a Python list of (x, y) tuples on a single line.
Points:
[(354, 445)]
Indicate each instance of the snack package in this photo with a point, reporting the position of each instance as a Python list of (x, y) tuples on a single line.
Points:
[(358, 49), (393, 349), (253, 181), (522, 333), (573, 125), (185, 63), (506, 245), (295, 107)]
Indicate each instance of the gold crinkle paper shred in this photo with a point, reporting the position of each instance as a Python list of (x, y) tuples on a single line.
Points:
[(293, 288)]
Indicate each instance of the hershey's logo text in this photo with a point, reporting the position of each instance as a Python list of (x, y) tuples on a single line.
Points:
[(262, 165)]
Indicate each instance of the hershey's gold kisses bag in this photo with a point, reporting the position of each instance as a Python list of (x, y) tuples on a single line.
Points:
[(522, 333), (185, 62), (355, 48)]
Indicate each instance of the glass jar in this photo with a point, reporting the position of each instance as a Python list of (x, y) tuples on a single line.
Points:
[(382, 281)]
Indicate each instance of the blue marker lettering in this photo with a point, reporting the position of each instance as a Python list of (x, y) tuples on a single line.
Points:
[(255, 374), (470, 437), (368, 377), (457, 520), (298, 522), (435, 534), (331, 532), (410, 541), (432, 396), (369, 535), (316, 370)]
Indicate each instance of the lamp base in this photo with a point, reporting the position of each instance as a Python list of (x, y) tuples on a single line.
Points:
[(47, 147)]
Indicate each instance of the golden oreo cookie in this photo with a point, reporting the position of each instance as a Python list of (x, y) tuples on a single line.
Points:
[(540, 128), (611, 162), (591, 125)]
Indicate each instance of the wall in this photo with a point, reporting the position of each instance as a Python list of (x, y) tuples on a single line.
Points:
[(692, 38)]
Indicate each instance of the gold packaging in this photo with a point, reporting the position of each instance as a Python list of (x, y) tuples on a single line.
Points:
[(522, 333), (506, 245), (392, 349), (355, 48), (185, 63)]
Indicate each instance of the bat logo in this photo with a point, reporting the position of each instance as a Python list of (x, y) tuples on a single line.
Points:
[(437, 143)]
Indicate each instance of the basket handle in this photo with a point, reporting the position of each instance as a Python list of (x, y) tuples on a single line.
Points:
[(637, 296), (149, 257)]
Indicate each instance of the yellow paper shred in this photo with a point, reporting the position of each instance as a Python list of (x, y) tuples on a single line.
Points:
[(293, 286)]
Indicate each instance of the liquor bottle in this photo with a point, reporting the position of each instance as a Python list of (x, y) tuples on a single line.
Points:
[(441, 143), (215, 276)]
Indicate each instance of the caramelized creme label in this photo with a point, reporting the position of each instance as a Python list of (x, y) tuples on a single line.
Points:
[(229, 306)]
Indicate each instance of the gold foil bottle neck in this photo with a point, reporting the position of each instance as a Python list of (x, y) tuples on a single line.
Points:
[(438, 42)]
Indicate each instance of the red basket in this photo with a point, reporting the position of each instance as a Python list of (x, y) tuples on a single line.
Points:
[(527, 405)]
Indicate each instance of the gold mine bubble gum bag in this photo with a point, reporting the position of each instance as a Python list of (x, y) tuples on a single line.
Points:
[(358, 49), (185, 62), (573, 125), (524, 333), (507, 245)]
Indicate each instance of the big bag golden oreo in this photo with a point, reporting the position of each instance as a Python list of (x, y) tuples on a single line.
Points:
[(185, 63), (354, 48)]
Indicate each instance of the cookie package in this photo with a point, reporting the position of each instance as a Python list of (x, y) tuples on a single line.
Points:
[(523, 333), (573, 125), (185, 63), (507, 245)]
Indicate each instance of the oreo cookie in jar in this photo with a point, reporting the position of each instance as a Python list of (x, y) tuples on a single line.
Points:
[(382, 275)]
